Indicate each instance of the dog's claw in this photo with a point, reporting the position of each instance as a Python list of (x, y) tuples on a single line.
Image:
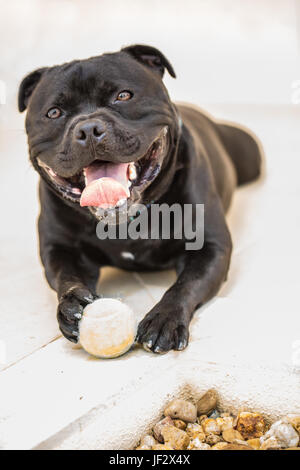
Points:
[(147, 346), (181, 345), (70, 311), (162, 330), (158, 350)]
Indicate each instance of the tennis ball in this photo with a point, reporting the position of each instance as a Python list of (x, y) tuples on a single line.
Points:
[(107, 328)]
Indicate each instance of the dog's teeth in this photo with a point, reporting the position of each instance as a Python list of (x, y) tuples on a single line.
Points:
[(84, 175), (52, 173), (132, 172), (76, 190)]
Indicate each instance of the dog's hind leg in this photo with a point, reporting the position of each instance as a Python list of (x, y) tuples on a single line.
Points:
[(244, 150)]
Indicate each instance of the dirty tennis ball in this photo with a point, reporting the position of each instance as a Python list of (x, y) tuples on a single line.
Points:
[(107, 328)]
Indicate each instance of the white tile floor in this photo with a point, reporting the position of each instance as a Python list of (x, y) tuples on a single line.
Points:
[(240, 343)]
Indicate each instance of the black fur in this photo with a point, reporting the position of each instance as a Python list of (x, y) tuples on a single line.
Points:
[(204, 163)]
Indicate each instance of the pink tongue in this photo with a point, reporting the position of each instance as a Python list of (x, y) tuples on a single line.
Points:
[(106, 184)]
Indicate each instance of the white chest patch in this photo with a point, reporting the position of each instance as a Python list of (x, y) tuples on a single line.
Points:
[(127, 255)]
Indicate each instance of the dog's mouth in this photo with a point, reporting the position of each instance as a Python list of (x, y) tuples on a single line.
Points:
[(108, 185)]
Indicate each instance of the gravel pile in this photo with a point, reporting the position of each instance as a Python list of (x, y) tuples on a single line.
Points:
[(202, 427)]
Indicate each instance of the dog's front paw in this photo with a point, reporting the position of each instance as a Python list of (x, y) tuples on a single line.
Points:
[(70, 308), (163, 329)]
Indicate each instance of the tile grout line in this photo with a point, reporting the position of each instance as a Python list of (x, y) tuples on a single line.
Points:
[(143, 285)]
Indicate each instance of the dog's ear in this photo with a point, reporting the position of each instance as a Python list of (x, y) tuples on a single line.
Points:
[(151, 57), (27, 86)]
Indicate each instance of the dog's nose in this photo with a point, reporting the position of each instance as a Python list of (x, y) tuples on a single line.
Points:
[(89, 130)]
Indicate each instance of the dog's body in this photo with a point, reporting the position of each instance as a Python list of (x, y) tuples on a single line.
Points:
[(202, 163)]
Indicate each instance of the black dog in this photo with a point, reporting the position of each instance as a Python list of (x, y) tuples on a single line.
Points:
[(111, 116)]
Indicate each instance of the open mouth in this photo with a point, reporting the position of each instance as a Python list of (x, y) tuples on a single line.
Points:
[(108, 185)]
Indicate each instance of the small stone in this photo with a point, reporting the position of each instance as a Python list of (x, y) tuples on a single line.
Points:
[(225, 415), (174, 437), (196, 444), (213, 439), (210, 426), (195, 430), (178, 423), (214, 414), (182, 409), (283, 433), (294, 420), (251, 425), (162, 447), (219, 446), (207, 403), (293, 448), (148, 441), (158, 428), (232, 435), (237, 447), (254, 443), (225, 422), (201, 418), (143, 448), (235, 421), (270, 444)]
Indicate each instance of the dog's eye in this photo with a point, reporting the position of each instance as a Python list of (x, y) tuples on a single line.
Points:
[(124, 95), (54, 113)]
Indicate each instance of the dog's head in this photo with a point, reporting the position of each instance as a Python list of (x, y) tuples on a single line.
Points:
[(102, 130)]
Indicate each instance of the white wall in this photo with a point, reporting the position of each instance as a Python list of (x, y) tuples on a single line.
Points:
[(224, 51)]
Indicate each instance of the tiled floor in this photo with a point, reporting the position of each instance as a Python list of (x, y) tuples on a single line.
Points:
[(263, 219), (240, 343)]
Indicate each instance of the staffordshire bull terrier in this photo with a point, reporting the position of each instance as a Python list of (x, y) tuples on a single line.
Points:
[(103, 131)]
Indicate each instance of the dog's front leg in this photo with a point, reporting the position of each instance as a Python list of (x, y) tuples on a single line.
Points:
[(66, 271), (70, 268), (202, 273)]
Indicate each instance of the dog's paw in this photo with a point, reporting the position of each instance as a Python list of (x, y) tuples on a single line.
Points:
[(70, 308), (162, 330)]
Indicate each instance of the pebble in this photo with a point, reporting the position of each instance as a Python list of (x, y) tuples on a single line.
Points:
[(182, 409), (219, 446), (210, 426), (174, 437), (159, 426), (251, 425), (178, 423), (148, 441), (213, 439), (196, 444), (201, 418), (294, 420), (162, 447), (143, 448), (207, 403), (270, 444), (231, 436), (225, 415), (214, 414), (237, 447), (283, 433), (254, 443), (195, 430), (225, 423)]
